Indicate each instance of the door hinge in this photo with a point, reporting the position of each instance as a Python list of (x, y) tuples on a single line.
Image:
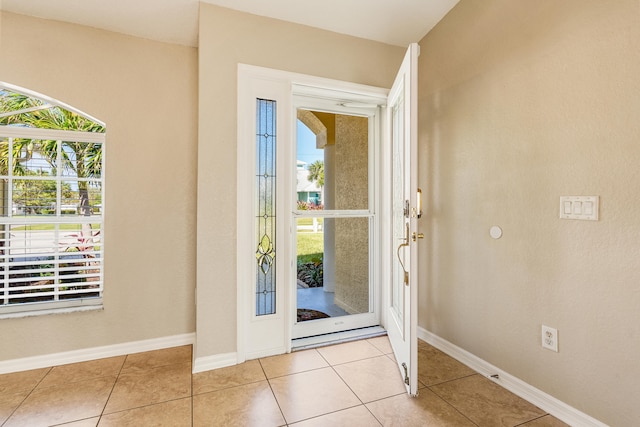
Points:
[(406, 373)]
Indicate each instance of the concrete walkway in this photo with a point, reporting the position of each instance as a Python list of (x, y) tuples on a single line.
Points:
[(318, 299)]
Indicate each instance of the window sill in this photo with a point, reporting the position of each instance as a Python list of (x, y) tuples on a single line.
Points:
[(43, 312)]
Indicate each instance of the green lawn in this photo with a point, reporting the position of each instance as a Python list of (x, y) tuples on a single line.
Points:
[(310, 247), (309, 221)]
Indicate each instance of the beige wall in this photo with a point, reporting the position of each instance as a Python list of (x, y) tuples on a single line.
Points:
[(226, 39), (522, 102), (146, 93)]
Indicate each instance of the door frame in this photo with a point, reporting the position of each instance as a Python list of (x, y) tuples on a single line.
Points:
[(333, 102), (261, 336)]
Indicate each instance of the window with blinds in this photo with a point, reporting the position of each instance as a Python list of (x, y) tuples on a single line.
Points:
[(51, 206)]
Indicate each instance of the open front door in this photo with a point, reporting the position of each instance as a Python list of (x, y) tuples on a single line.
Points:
[(402, 303)]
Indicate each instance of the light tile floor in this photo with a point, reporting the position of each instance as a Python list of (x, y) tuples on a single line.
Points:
[(351, 384)]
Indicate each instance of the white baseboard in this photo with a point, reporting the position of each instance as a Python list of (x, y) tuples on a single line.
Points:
[(83, 355), (542, 400), (216, 361)]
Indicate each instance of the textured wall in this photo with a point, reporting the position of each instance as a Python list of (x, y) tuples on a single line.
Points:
[(146, 94), (522, 102), (352, 163), (352, 192)]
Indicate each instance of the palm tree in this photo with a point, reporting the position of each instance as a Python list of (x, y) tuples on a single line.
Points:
[(316, 173), (84, 159)]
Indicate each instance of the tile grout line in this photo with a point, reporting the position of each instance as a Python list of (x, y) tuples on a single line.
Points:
[(27, 396), (286, 423), (453, 379), (450, 404), (120, 372), (227, 388), (428, 387), (332, 366), (533, 419), (380, 400), (382, 354), (345, 383), (349, 387), (333, 412), (147, 405), (112, 388)]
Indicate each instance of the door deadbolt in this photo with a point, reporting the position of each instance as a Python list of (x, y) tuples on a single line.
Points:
[(415, 236)]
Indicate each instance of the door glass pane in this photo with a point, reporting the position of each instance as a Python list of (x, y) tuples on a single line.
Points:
[(332, 171), (332, 267), (332, 161), (265, 289)]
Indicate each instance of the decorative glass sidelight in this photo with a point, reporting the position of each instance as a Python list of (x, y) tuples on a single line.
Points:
[(265, 207)]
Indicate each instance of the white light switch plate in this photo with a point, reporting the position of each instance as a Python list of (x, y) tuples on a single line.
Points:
[(579, 207)]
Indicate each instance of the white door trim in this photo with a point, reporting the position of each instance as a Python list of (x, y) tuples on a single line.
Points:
[(269, 335), (259, 336), (366, 106)]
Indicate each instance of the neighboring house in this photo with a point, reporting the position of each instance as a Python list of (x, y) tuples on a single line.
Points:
[(308, 192), (18, 209)]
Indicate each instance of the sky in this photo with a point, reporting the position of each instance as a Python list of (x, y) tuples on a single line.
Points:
[(306, 145)]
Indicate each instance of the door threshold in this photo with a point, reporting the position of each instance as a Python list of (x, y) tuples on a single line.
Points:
[(336, 338)]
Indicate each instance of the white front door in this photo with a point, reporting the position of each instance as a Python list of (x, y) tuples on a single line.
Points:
[(401, 302)]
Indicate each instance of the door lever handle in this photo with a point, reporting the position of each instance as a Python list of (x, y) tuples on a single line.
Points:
[(402, 245)]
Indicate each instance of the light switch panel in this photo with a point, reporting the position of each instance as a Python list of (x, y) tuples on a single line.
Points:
[(579, 207)]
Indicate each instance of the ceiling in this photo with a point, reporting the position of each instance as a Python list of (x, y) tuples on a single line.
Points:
[(396, 22)]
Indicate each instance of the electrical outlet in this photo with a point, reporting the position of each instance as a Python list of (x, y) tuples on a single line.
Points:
[(550, 338)]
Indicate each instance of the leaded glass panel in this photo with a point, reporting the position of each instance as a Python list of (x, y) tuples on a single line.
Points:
[(266, 207)]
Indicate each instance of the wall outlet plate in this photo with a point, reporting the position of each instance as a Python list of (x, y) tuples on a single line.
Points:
[(550, 338)]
